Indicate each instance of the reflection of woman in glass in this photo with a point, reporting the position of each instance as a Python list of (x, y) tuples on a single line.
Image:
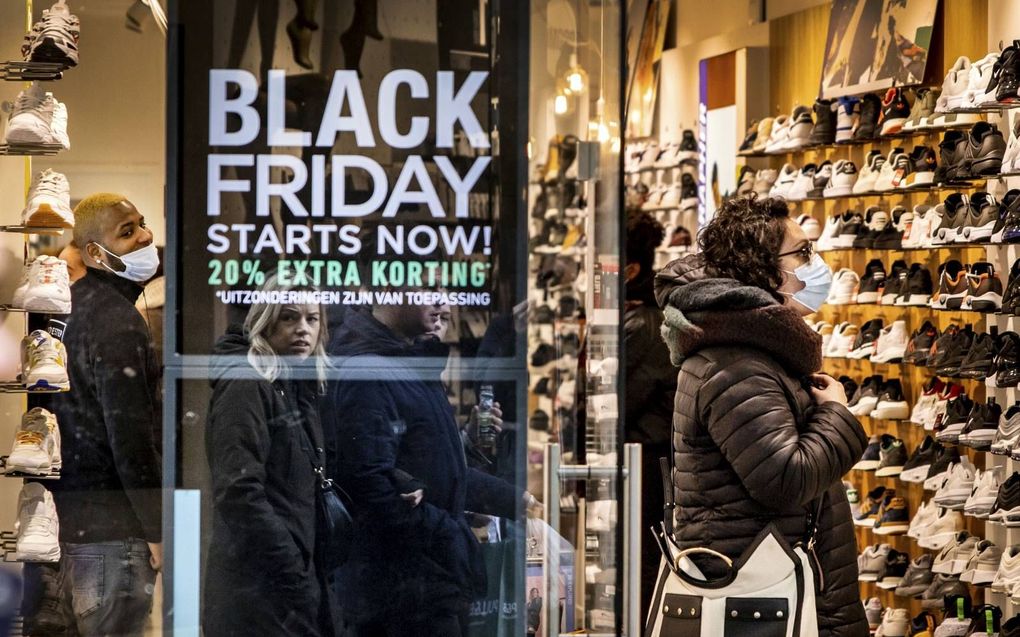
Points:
[(263, 442), (534, 612)]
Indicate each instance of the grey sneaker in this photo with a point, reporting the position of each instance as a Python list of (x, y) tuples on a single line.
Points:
[(983, 564), (941, 586), (923, 109), (873, 611), (917, 578), (871, 563)]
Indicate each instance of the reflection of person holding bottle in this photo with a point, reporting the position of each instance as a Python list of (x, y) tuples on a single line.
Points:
[(264, 442), (412, 571)]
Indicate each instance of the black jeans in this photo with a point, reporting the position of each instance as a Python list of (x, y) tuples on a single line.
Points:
[(96, 589)]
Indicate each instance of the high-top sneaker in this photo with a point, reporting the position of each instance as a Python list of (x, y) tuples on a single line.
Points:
[(847, 113), (871, 111), (895, 111), (1011, 297), (984, 289), (824, 131)]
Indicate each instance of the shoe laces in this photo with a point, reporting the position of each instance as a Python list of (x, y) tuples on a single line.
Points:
[(28, 438), (43, 351), (50, 183), (30, 101), (39, 519)]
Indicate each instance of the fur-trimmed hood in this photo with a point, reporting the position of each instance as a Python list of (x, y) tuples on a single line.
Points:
[(704, 311)]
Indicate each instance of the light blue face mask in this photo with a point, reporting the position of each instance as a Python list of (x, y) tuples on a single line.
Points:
[(816, 275)]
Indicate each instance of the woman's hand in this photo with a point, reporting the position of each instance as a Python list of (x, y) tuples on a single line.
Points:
[(413, 498), (825, 388)]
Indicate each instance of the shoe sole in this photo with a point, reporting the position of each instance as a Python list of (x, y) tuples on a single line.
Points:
[(866, 465), (915, 474), (888, 472), (893, 126), (45, 216), (900, 412), (46, 304), (894, 529)]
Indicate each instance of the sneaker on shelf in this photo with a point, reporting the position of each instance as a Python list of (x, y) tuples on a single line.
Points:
[(981, 425), (867, 123), (764, 179), (933, 419), (849, 225), (1008, 433), (868, 513), (922, 110), (926, 514), (750, 137), (958, 412), (1008, 573), (873, 610), (842, 340), (848, 111), (917, 578), (871, 562), (984, 151), (1007, 74), (929, 393), (802, 184), (953, 286), (983, 563), (764, 135), (941, 587), (895, 111), (43, 362), (986, 491), (822, 177), (915, 469), (984, 215), (824, 131), (941, 530), (784, 181), (863, 347), (872, 281), (923, 625), (853, 496), (36, 449), (31, 117), (896, 564), (44, 287), (934, 219), (896, 281), (901, 221), (843, 180), (801, 125), (949, 162), (1006, 363), (895, 623), (892, 455), (1006, 510), (865, 182), (688, 146), (1011, 157), (1010, 628), (1009, 216), (54, 38), (979, 77), (876, 221), (919, 227), (986, 622), (844, 288), (36, 528), (954, 87), (49, 202), (949, 350), (921, 172), (780, 136), (865, 399), (688, 191), (891, 347), (824, 242), (978, 362), (957, 488), (918, 289), (884, 182), (894, 519)]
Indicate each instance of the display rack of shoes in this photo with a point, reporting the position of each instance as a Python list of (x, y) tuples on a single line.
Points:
[(921, 227)]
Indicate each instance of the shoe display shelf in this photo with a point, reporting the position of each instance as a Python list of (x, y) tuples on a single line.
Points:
[(18, 71)]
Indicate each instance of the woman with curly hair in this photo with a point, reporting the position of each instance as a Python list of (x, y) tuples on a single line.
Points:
[(759, 436)]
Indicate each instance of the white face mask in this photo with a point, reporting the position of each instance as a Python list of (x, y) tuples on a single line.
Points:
[(139, 266), (816, 276)]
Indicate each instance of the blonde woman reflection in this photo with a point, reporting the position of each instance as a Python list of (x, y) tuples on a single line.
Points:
[(263, 441)]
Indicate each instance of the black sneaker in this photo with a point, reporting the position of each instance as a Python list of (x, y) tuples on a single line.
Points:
[(1006, 74), (870, 289), (1005, 368), (984, 289), (822, 177), (979, 359), (824, 131), (921, 341), (987, 620), (871, 111), (891, 237), (984, 151), (915, 469), (982, 423), (895, 111), (923, 165), (688, 146), (892, 455), (1011, 628), (869, 462), (941, 586), (940, 348), (876, 221), (894, 284), (917, 578), (923, 624), (850, 225), (1009, 213), (948, 358), (864, 344), (984, 214), (896, 564), (688, 187), (750, 138), (1011, 297), (919, 288), (945, 173), (1007, 501), (958, 412), (945, 457), (866, 398), (849, 385)]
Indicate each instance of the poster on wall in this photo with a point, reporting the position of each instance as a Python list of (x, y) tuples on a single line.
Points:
[(875, 44), (647, 39)]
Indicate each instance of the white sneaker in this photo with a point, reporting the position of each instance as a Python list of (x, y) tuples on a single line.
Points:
[(925, 515), (887, 174), (844, 288), (842, 340), (36, 447), (872, 166), (954, 87), (36, 527), (977, 80), (764, 179), (892, 345), (983, 563), (58, 123), (49, 202), (784, 182), (844, 178), (802, 184), (957, 488), (44, 287), (43, 362), (810, 227), (918, 227), (824, 241), (895, 623), (953, 558), (1008, 573), (940, 531), (30, 118), (983, 495), (780, 135)]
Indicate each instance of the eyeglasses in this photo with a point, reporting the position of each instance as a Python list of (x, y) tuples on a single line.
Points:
[(805, 253)]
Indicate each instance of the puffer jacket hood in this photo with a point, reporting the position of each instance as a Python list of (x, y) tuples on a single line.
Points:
[(704, 311), (230, 360)]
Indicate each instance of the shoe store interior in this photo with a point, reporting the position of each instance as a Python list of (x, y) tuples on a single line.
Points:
[(589, 142)]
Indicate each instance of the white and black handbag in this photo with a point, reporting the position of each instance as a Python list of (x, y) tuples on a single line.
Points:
[(769, 591)]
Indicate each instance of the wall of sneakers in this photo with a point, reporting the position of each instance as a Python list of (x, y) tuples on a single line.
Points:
[(35, 125), (663, 179), (912, 198)]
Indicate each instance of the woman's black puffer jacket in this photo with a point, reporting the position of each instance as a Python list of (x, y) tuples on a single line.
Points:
[(750, 446)]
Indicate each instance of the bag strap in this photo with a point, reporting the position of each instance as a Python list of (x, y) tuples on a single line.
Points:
[(669, 506)]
